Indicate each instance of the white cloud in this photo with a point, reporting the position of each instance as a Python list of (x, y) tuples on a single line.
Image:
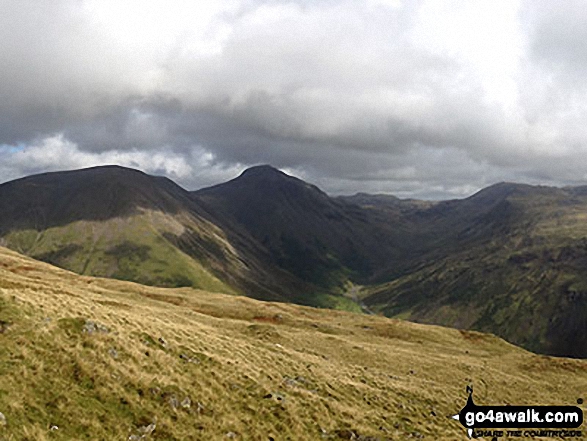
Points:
[(57, 153)]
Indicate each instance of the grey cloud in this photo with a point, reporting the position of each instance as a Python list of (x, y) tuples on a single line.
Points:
[(343, 93)]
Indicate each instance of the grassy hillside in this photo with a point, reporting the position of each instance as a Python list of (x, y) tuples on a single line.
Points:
[(513, 263), (87, 358), (134, 248)]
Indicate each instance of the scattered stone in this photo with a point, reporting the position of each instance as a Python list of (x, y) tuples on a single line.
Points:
[(4, 326), (292, 382), (346, 434), (155, 390), (113, 353), (91, 327), (186, 403), (268, 396), (189, 359), (173, 401), (144, 432), (53, 428), (147, 430), (162, 342), (2, 419), (230, 435), (200, 407)]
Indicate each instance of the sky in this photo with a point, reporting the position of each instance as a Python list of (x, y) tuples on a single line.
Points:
[(428, 99)]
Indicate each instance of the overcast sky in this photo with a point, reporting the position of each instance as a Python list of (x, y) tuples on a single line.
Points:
[(430, 99)]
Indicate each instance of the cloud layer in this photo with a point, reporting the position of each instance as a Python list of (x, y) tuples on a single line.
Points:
[(420, 99)]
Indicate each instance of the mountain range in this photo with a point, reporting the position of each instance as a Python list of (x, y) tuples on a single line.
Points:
[(508, 260)]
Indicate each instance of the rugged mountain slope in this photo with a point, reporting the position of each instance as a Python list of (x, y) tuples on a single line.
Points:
[(511, 260), (317, 238), (85, 358)]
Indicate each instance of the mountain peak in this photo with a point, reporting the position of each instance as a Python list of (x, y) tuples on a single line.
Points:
[(263, 171), (94, 194)]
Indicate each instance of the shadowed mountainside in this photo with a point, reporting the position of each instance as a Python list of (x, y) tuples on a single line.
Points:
[(317, 238), (117, 222), (95, 194)]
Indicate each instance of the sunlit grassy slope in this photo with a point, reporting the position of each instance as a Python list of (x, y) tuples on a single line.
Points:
[(87, 358), (133, 248)]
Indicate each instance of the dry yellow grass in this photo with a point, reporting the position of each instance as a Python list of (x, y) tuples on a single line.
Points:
[(199, 365)]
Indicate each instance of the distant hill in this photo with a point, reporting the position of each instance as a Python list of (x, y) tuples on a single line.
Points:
[(509, 260), (87, 358)]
